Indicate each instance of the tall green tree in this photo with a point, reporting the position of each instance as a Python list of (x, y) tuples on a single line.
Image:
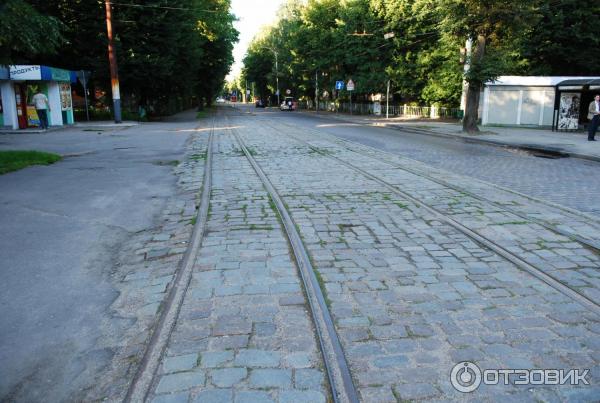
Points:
[(169, 56), (26, 33), (564, 40), (488, 23)]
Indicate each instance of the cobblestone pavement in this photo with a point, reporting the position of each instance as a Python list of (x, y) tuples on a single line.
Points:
[(572, 263), (412, 296), (147, 264), (244, 333), (568, 181)]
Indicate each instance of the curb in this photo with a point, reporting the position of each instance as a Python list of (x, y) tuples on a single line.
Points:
[(525, 147)]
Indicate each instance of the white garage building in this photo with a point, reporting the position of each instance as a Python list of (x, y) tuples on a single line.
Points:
[(531, 101)]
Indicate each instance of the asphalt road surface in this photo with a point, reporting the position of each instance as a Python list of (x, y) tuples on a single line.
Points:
[(62, 226)]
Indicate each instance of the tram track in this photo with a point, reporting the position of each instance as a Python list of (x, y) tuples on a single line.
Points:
[(144, 378), (336, 365), (481, 239), (590, 243)]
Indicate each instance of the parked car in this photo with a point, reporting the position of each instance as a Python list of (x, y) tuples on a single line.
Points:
[(259, 103), (288, 104), (220, 100)]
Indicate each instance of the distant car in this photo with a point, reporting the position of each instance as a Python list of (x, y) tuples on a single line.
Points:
[(220, 100), (259, 103), (288, 104)]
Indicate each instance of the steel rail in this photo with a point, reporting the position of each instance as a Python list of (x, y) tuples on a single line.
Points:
[(557, 206), (587, 242), (142, 383), (482, 240), (337, 368), (595, 245)]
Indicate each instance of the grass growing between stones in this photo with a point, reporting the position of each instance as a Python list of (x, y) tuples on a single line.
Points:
[(14, 160), (321, 284), (401, 205), (204, 113), (199, 156)]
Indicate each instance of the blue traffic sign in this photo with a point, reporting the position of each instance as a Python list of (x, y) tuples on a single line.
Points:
[(339, 85)]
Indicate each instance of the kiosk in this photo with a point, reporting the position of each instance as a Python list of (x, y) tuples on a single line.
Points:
[(18, 84)]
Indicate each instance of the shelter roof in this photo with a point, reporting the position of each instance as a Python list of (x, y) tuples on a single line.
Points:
[(541, 81)]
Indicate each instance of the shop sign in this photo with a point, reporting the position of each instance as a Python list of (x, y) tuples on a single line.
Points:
[(60, 74), (25, 72)]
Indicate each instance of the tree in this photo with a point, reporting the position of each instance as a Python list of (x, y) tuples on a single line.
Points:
[(25, 33), (563, 41), (487, 23), (170, 57), (423, 59)]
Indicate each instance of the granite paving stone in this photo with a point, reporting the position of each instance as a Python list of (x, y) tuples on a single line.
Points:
[(414, 269), (244, 320)]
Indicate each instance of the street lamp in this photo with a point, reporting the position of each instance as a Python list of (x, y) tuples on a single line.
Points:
[(317, 88), (276, 70), (276, 75)]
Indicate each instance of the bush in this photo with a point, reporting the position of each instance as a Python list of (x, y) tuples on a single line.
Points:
[(106, 114)]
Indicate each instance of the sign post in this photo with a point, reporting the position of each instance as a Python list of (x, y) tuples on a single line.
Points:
[(387, 101), (83, 77), (350, 88), (339, 85)]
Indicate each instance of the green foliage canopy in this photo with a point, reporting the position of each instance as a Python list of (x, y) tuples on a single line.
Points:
[(169, 54), (344, 39)]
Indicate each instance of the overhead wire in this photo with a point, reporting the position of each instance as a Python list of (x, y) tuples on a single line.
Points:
[(165, 7)]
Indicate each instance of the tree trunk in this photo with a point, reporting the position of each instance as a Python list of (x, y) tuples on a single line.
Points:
[(473, 91), (471, 110)]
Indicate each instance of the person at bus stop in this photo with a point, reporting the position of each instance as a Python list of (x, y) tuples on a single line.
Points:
[(42, 106), (594, 117)]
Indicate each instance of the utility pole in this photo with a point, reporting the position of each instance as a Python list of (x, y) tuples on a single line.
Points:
[(387, 102), (277, 76), (112, 58)]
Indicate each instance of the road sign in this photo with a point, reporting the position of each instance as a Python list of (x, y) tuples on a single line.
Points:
[(350, 85), (288, 92), (339, 85), (388, 35)]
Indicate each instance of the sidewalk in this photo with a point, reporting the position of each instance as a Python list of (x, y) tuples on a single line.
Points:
[(91, 125), (571, 144)]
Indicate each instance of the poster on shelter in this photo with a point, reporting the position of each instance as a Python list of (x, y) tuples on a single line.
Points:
[(568, 114), (65, 97), (32, 117)]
